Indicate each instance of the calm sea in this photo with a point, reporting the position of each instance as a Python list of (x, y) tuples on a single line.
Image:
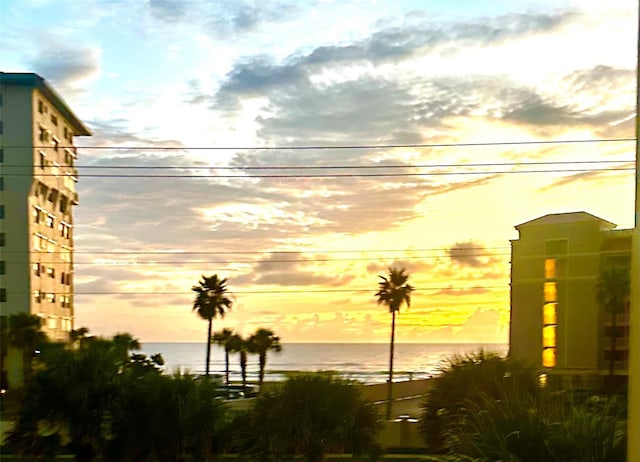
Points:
[(366, 362)]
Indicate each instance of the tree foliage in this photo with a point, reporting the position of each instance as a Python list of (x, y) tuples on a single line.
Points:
[(211, 301), (489, 408), (261, 342), (461, 379), (87, 402), (309, 416), (393, 291)]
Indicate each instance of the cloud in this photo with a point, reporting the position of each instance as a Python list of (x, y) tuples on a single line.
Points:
[(65, 66), (471, 254), (288, 269), (461, 292)]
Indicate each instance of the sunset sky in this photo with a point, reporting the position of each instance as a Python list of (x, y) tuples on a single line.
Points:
[(163, 82)]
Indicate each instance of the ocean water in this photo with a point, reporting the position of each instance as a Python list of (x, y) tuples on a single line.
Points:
[(366, 362)]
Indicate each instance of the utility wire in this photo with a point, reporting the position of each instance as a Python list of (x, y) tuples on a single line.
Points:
[(278, 291), (330, 175), (321, 167), (331, 147)]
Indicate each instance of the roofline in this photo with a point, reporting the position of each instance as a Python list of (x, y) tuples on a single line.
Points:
[(532, 222), (29, 79)]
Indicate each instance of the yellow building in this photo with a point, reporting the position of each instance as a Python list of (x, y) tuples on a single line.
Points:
[(37, 194), (556, 321)]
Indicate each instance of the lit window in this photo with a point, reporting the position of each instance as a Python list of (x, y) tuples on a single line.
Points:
[(51, 272), (542, 380), (51, 298), (36, 269), (50, 220), (37, 296), (550, 292), (550, 268), (53, 322), (549, 357), (550, 314), (549, 336)]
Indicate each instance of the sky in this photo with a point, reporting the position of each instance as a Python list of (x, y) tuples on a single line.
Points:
[(438, 127)]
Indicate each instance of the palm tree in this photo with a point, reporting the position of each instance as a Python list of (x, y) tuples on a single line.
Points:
[(393, 291), (24, 334), (612, 294), (261, 342), (239, 345), (123, 343), (211, 301), (78, 335), (222, 338)]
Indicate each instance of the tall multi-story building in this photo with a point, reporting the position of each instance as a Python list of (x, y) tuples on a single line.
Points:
[(556, 320), (37, 194)]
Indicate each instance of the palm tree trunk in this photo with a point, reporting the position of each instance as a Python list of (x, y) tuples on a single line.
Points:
[(243, 368), (390, 380), (208, 348), (263, 363), (226, 364)]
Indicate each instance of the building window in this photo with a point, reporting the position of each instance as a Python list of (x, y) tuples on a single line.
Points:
[(54, 120), (36, 269), (556, 247), (51, 297), (37, 212), (549, 337), (550, 314), (65, 230), (1, 183), (43, 159), (550, 291), (37, 296), (3, 295), (1, 211), (2, 267), (3, 239), (50, 220), (44, 134), (53, 195), (1, 155), (51, 272), (549, 357), (64, 201), (40, 107)]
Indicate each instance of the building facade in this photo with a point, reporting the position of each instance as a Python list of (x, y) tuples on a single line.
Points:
[(556, 321), (37, 195)]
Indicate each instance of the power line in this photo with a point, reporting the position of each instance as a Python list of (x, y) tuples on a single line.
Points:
[(321, 167), (331, 147), (260, 252), (330, 175), (278, 291)]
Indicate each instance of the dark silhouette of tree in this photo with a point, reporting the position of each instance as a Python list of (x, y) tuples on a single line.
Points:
[(393, 291), (461, 380), (222, 338), (23, 332), (211, 301), (612, 293), (124, 343), (263, 341), (78, 336), (309, 416), (239, 345)]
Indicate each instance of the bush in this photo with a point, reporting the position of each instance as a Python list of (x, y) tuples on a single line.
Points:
[(310, 416)]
